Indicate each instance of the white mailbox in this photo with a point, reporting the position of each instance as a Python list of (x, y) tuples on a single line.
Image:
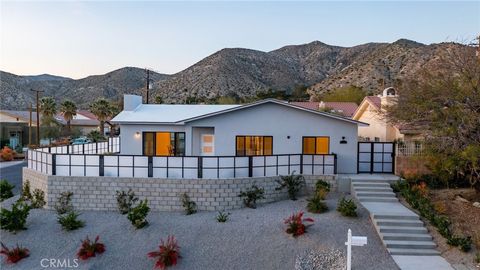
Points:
[(353, 241)]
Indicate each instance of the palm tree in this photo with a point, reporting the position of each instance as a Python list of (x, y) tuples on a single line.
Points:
[(48, 110), (103, 110), (69, 110)]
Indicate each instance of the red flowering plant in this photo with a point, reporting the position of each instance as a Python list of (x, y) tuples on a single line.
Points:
[(89, 248), (7, 153), (15, 254), (295, 224), (167, 255)]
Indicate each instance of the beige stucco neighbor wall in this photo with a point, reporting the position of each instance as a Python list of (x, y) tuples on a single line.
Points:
[(98, 193)]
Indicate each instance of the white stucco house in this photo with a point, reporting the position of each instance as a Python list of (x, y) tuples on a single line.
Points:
[(263, 128)]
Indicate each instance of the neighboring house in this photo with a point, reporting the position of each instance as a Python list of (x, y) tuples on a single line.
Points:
[(266, 127), (14, 128), (346, 109)]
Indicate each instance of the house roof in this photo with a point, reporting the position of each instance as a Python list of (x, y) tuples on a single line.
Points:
[(375, 101), (180, 114), (84, 121), (167, 113), (307, 104), (23, 115), (345, 108)]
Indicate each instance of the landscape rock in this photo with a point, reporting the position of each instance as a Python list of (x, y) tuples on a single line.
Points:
[(476, 204), (332, 259), (461, 199)]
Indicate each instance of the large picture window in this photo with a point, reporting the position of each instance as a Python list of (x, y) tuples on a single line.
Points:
[(164, 143), (254, 145), (316, 145)]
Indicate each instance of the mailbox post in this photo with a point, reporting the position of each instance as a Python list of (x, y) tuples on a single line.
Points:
[(353, 241)]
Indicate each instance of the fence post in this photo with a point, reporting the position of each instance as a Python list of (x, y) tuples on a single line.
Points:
[(199, 167), (101, 167), (54, 164), (108, 145), (68, 149), (83, 148), (150, 166), (49, 149), (301, 163), (250, 166), (334, 163), (96, 147)]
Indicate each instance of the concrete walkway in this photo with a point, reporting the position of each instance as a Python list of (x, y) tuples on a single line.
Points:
[(401, 230)]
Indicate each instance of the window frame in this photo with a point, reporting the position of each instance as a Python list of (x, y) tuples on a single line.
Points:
[(315, 145), (245, 145), (175, 136)]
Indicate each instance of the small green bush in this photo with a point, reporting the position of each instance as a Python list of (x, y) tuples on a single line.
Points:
[(138, 214), (347, 207), (222, 216), (125, 200), (26, 194), (316, 204), (321, 184), (5, 190), (14, 220), (64, 203), (38, 199), (189, 205), (477, 257), (465, 243), (293, 183), (70, 221), (251, 195)]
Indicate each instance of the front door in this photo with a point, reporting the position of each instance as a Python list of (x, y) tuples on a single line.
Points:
[(207, 145)]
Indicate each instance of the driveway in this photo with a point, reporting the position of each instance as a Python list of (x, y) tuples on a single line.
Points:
[(12, 172)]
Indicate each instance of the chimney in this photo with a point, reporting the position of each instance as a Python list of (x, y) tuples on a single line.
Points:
[(388, 97), (131, 102)]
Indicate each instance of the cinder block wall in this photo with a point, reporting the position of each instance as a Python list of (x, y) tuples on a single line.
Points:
[(98, 193)]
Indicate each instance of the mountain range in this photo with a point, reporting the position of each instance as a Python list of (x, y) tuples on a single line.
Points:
[(241, 73)]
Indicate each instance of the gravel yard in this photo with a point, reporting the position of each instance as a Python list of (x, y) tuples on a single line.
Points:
[(251, 239)]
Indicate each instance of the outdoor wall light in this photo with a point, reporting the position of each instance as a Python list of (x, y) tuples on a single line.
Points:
[(343, 141), (137, 134), (288, 137)]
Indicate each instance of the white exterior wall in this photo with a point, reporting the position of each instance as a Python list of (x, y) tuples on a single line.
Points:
[(281, 121), (264, 120)]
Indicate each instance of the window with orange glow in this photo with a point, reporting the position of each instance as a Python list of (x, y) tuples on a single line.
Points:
[(316, 145), (254, 145), (163, 143)]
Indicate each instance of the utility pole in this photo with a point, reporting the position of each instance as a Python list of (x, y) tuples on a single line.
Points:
[(148, 83), (38, 115), (30, 126)]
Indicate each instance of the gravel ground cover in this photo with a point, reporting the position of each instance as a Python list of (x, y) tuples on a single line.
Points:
[(251, 239)]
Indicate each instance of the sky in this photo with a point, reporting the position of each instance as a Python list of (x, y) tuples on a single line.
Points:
[(77, 39)]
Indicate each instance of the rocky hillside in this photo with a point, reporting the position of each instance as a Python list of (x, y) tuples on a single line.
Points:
[(243, 73), (16, 94)]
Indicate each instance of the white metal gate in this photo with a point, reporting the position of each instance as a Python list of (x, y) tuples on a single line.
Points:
[(376, 157)]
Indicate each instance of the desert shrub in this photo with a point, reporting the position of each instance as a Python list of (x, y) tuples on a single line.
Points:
[(7, 154), (222, 216), (322, 185), (477, 257), (292, 182), (5, 190), (189, 205), (125, 200), (14, 220), (316, 204), (138, 214), (70, 221), (64, 203), (38, 199), (90, 249), (464, 243), (26, 194), (15, 254), (167, 254), (347, 207), (440, 207), (96, 136), (295, 224), (251, 195)]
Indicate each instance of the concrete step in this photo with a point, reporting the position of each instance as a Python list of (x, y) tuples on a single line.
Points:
[(375, 194), (384, 216), (399, 222), (372, 189), (377, 199), (384, 185), (410, 244), (366, 180), (406, 237), (413, 252), (409, 230)]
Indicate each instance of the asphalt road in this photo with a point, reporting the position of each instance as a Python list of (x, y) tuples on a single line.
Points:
[(13, 174)]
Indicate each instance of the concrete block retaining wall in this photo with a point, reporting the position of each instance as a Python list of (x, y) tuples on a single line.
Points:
[(98, 193)]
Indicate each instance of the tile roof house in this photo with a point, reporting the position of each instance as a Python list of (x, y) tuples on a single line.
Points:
[(346, 109)]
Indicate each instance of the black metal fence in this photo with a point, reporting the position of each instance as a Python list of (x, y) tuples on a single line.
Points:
[(55, 161)]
